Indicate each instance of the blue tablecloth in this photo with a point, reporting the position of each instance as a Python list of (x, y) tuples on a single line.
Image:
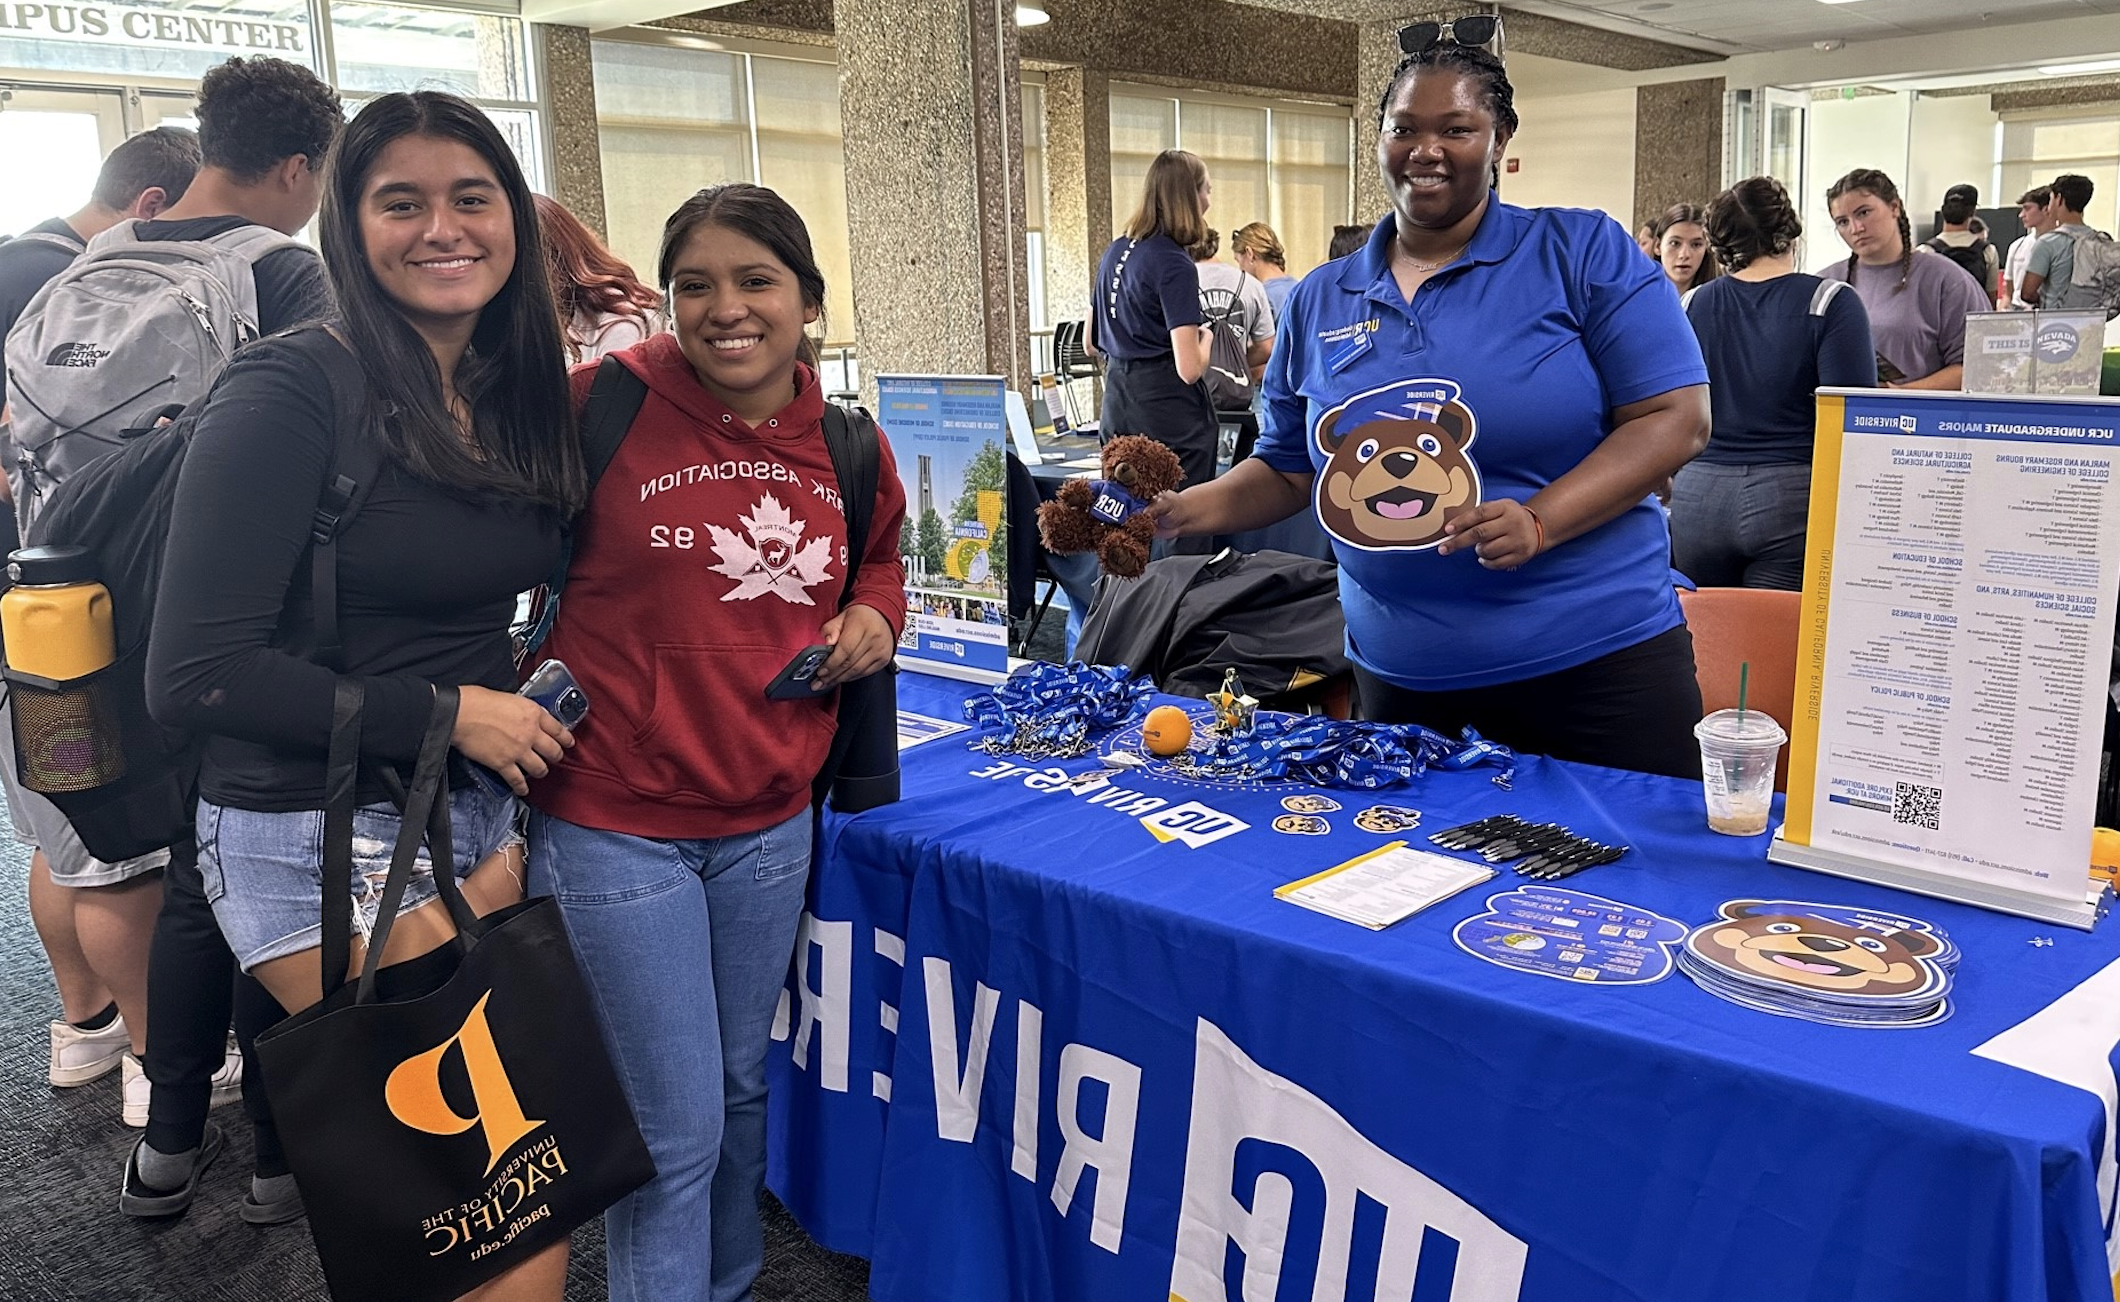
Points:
[(1032, 1051)]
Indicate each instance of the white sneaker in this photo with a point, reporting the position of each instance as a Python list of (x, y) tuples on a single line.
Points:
[(132, 1079), (227, 1085), (79, 1057), (228, 1082)]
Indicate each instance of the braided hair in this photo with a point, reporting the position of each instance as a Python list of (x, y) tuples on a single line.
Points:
[(1873, 182), (1469, 60)]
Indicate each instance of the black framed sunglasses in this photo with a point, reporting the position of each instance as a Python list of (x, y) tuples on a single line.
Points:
[(1475, 29)]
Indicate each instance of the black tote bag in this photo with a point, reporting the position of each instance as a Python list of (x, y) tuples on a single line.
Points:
[(441, 1139)]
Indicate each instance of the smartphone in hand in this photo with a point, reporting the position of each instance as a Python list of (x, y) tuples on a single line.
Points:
[(793, 682), (553, 687)]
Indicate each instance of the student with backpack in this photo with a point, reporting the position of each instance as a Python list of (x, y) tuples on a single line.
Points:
[(2073, 267), (1963, 245), (136, 329), (720, 543), (139, 178), (1147, 320)]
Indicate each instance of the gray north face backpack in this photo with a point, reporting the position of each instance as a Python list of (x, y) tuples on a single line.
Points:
[(133, 329), (2095, 281)]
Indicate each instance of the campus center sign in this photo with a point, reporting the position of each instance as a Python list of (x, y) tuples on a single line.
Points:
[(155, 28)]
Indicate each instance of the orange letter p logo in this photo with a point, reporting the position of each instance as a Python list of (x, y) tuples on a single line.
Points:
[(414, 1090)]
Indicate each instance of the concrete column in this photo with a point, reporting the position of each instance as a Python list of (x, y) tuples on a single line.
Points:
[(570, 86), (1678, 140), (1078, 168), (933, 132)]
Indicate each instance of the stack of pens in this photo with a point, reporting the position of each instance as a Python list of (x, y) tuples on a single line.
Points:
[(1545, 851)]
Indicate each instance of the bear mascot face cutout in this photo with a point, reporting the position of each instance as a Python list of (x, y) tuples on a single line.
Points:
[(1803, 949), (1397, 466)]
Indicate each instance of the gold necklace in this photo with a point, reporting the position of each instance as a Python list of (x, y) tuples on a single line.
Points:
[(1428, 267)]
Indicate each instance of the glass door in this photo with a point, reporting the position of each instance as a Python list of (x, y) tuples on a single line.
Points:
[(1783, 154), (54, 139), (161, 108)]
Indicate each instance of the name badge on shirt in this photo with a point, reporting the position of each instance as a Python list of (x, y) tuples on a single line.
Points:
[(1350, 351)]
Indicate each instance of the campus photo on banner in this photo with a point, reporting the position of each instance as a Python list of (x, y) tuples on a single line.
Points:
[(949, 432)]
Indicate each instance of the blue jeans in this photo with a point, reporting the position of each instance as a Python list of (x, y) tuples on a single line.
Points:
[(685, 945)]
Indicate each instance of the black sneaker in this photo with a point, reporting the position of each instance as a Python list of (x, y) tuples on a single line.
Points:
[(138, 1199)]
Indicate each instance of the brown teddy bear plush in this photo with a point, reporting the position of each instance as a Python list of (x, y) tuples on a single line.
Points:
[(1107, 516)]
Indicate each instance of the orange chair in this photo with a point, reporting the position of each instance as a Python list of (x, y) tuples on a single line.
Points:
[(1732, 626)]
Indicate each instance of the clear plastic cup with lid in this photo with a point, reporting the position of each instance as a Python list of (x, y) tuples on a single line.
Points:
[(1738, 752)]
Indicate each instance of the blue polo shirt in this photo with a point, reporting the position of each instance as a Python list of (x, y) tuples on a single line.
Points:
[(1499, 378)]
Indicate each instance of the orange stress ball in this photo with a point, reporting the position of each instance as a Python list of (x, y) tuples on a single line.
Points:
[(1166, 731)]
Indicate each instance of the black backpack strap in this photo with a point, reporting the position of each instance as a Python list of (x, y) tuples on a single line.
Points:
[(356, 461), (856, 463), (615, 399)]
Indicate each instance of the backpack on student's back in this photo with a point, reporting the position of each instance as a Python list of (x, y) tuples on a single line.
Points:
[(1228, 376), (126, 783), (1972, 257), (2095, 282), (132, 328)]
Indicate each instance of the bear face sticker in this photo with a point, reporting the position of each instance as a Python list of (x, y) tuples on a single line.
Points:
[(1825, 962), (1397, 465)]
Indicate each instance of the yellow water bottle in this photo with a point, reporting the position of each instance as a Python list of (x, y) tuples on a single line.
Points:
[(57, 626), (56, 619)]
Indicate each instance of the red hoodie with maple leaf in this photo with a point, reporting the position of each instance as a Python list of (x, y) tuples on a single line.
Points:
[(710, 554)]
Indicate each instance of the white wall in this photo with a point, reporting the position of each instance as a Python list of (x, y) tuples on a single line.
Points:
[(1951, 140), (1574, 151), (1844, 134)]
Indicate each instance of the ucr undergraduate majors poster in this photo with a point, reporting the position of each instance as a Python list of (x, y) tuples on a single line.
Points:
[(1957, 644)]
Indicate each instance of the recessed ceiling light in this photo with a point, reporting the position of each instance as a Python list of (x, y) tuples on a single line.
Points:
[(1836, 2), (1031, 16), (2077, 69)]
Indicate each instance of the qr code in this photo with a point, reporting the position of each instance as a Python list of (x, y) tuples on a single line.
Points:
[(1914, 805)]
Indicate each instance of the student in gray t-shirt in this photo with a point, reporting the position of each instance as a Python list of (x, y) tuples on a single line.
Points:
[(2049, 273), (1917, 300)]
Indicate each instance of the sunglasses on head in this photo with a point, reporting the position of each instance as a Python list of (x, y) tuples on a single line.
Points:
[(1478, 29)]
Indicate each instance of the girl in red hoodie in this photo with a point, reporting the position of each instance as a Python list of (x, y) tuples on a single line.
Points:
[(677, 835)]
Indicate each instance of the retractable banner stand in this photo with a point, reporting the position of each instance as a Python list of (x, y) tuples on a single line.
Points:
[(1957, 647), (949, 434)]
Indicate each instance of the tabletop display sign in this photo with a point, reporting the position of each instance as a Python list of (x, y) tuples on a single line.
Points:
[(2044, 353), (948, 433), (1956, 647)]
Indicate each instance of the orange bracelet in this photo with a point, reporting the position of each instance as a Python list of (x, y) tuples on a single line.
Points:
[(1539, 525)]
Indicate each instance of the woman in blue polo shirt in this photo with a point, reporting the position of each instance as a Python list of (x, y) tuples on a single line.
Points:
[(1479, 405), (1146, 318)]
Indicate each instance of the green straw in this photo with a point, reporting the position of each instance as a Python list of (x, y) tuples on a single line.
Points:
[(1744, 680)]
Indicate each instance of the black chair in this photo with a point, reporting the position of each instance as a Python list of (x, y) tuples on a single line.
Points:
[(1072, 362), (1027, 559)]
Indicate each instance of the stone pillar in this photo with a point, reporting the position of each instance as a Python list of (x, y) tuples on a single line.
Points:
[(1678, 141), (570, 87), (933, 132), (1078, 168)]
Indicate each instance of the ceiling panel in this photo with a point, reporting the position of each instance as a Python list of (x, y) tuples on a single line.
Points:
[(1735, 26)]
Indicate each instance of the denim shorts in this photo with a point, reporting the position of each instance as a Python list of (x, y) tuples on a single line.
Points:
[(264, 873)]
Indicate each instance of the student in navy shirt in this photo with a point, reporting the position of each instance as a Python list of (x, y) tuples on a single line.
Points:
[(1771, 336), (1146, 319), (1479, 404)]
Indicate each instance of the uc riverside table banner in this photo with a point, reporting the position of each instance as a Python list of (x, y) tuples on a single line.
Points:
[(948, 433), (1055, 1041), (1964, 553)]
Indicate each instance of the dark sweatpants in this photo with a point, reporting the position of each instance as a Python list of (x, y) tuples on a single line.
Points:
[(192, 986), (1147, 397), (1632, 709)]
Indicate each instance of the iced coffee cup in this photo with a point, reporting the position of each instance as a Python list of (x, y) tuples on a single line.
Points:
[(1738, 751)]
